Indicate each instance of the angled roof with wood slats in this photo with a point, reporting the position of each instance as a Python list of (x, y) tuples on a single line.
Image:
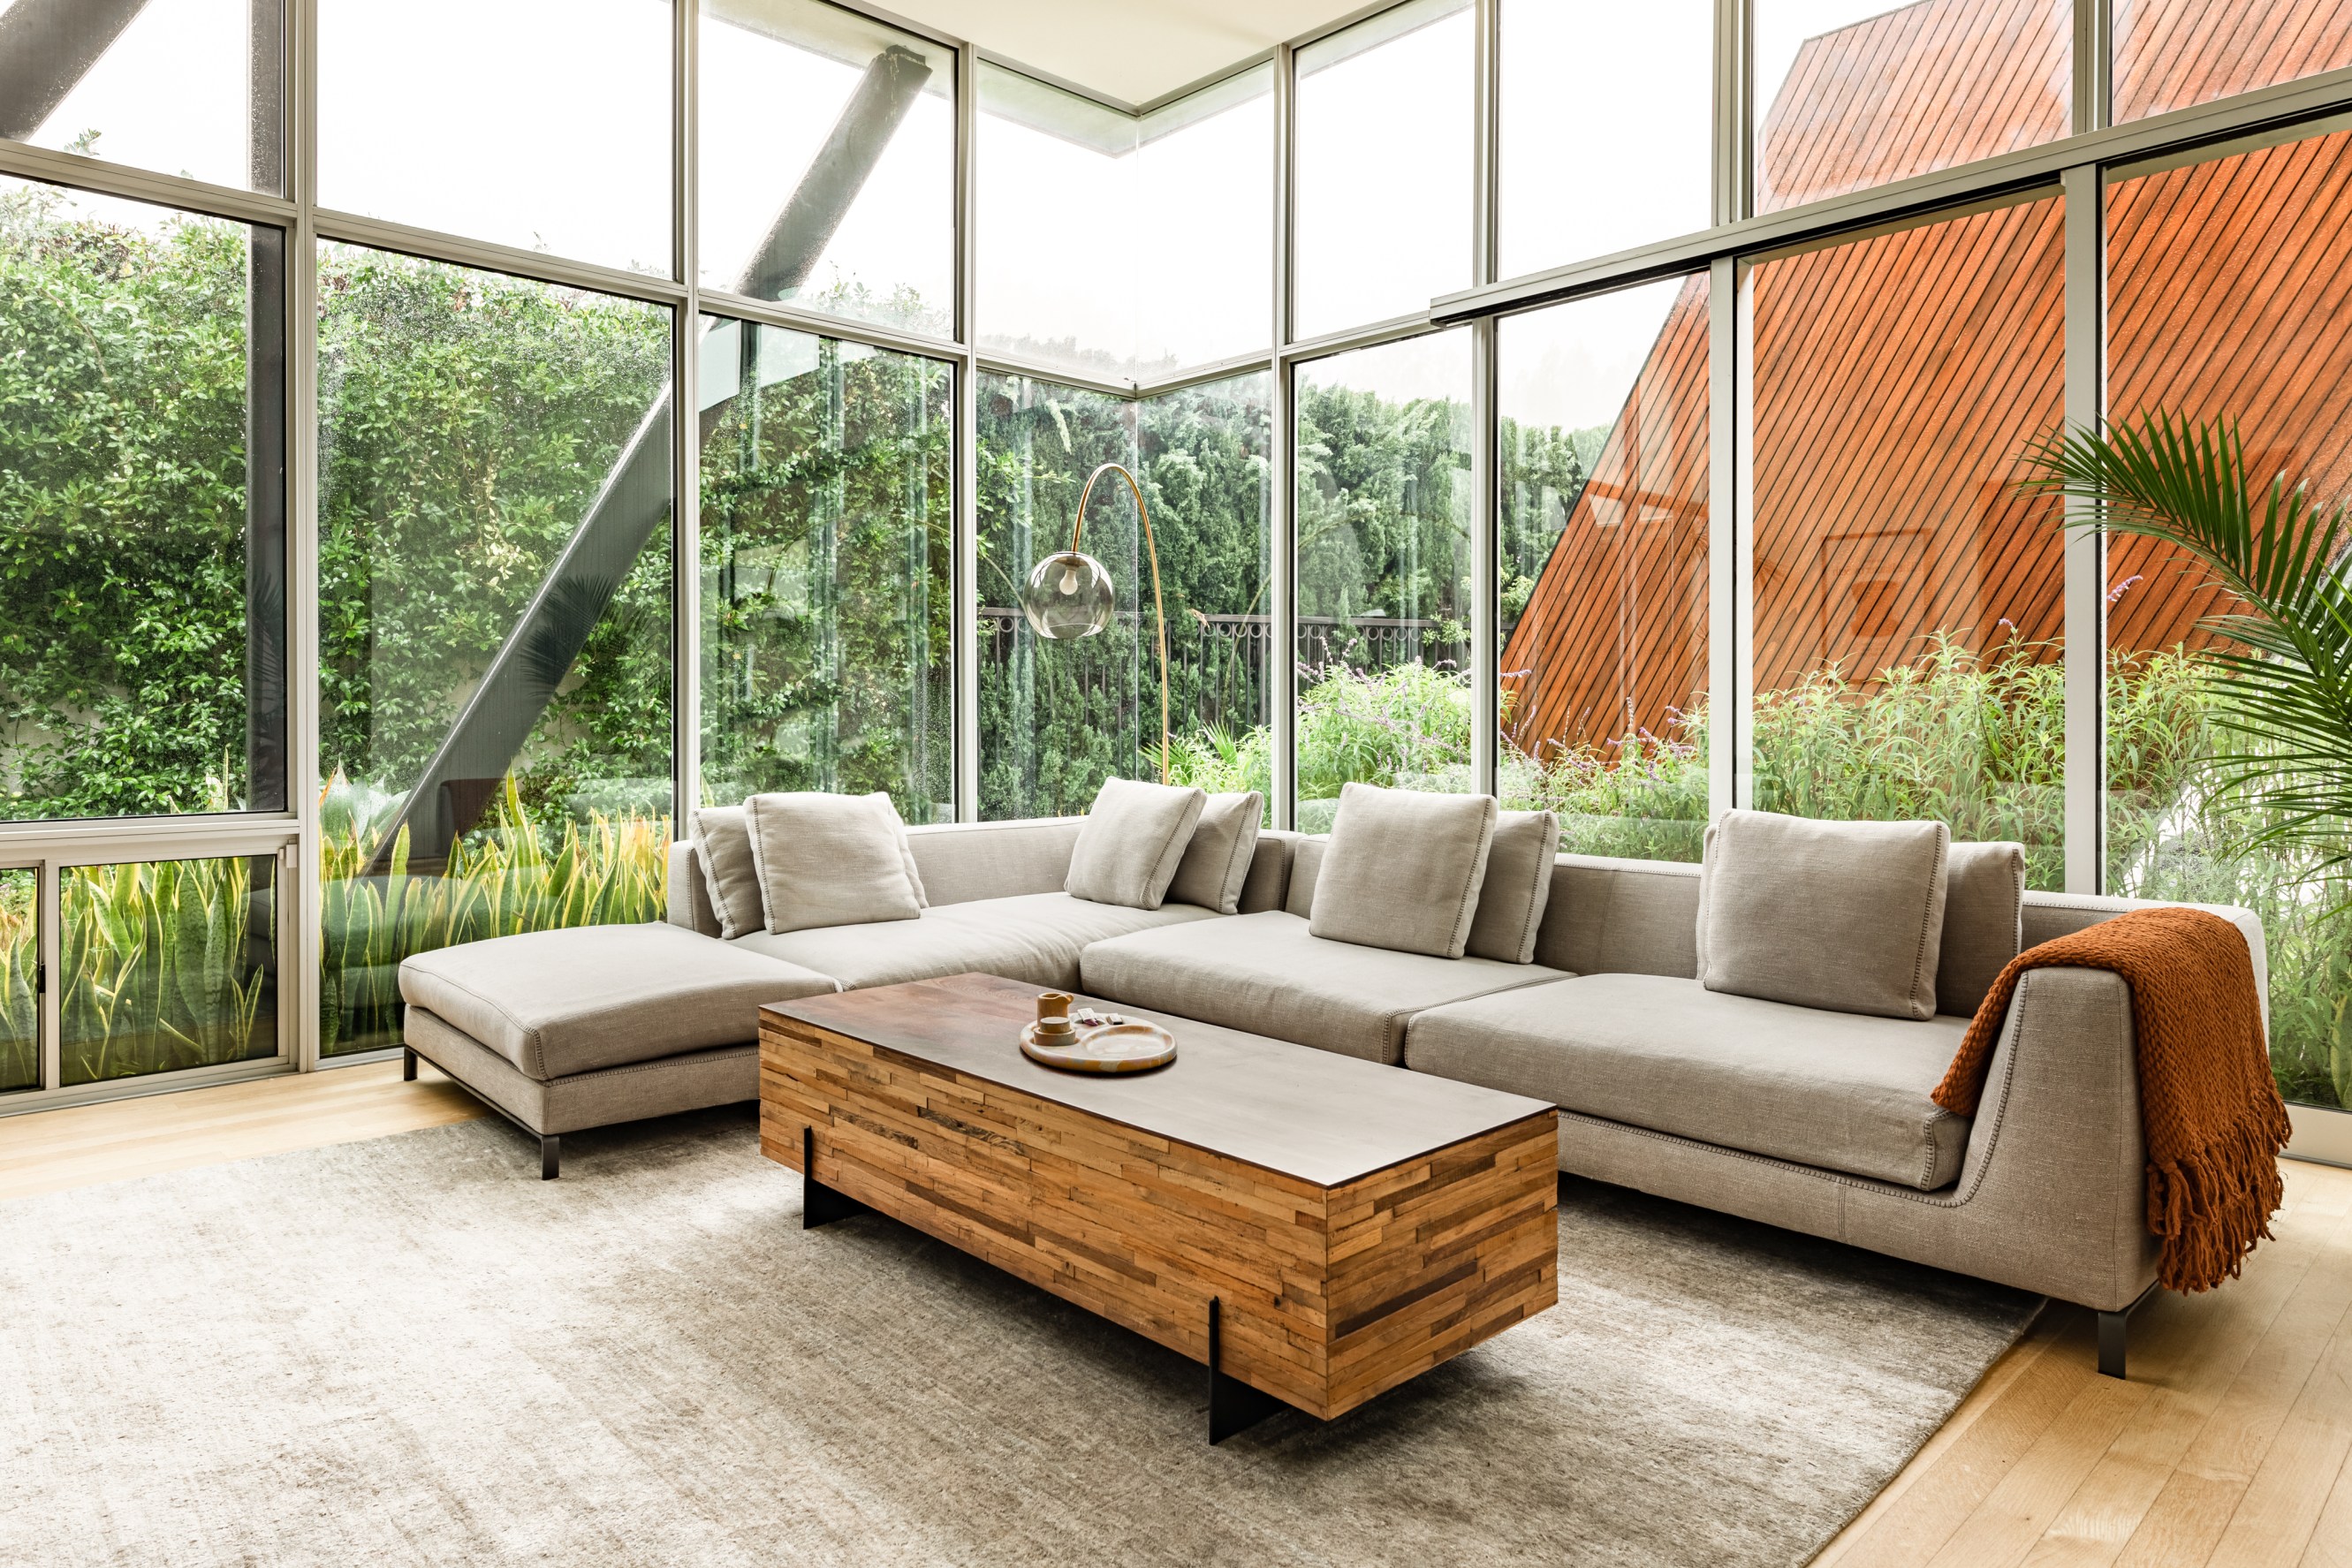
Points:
[(1898, 376)]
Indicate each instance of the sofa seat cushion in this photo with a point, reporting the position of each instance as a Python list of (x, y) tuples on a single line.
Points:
[(559, 1002), (1269, 975), (1843, 1091), (1031, 936)]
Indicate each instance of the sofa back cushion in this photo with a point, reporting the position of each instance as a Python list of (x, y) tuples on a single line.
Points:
[(832, 859), (1132, 842), (1848, 916), (1217, 862), (1621, 917), (1984, 912), (960, 861), (1511, 901), (721, 836), (1403, 870)]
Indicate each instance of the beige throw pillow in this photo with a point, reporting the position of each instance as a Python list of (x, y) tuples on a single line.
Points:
[(1845, 916), (1519, 884), (1984, 923), (831, 859), (1404, 869), (1131, 841), (721, 836), (1217, 862)]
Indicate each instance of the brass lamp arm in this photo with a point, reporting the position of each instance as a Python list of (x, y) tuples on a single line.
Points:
[(1159, 612)]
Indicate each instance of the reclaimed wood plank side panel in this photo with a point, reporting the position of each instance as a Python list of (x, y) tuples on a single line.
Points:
[(1433, 1256), (1137, 1229)]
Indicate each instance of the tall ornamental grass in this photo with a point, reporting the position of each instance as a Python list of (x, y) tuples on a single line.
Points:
[(20, 1002), (514, 875), (167, 965)]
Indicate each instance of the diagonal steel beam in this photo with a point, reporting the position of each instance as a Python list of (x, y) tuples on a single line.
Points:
[(481, 749), (47, 47)]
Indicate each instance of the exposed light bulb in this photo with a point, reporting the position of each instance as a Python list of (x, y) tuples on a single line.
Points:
[(1069, 580)]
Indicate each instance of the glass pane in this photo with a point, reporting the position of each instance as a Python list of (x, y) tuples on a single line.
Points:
[(829, 162), (1383, 160), (1057, 717), (539, 123), (1056, 178), (1909, 602), (826, 506), (1122, 247), (141, 381), (181, 87), (494, 616), (1603, 565), (1576, 81), (1383, 519), (2172, 54), (2240, 319), (167, 965), (20, 967), (1852, 93), (1202, 252)]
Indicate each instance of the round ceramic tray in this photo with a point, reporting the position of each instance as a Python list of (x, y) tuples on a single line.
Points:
[(1107, 1048)]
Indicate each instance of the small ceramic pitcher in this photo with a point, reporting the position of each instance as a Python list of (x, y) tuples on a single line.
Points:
[(1054, 1016)]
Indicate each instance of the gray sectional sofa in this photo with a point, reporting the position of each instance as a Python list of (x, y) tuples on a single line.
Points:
[(1819, 1122)]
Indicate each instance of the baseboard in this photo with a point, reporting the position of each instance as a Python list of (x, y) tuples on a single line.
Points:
[(2322, 1138)]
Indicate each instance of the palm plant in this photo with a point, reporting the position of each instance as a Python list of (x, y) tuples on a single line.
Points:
[(2285, 663)]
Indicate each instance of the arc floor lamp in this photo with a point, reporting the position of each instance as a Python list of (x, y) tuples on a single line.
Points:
[(1071, 594)]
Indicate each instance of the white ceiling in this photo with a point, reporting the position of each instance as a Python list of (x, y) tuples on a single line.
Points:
[(1132, 50)]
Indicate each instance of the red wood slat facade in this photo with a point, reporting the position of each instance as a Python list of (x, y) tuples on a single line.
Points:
[(1897, 377)]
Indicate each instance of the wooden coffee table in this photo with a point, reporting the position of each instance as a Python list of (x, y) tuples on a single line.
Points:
[(1311, 1227)]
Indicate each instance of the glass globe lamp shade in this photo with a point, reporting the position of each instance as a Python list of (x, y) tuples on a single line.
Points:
[(1069, 595)]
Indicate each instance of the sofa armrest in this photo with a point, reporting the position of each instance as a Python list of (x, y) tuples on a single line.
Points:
[(2056, 1155), (2051, 915), (689, 895)]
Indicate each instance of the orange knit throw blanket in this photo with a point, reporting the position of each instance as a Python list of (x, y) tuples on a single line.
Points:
[(2212, 1114)]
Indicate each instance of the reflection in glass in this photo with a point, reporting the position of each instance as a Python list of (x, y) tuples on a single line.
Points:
[(180, 87), (1058, 718), (1121, 246), (827, 148), (1854, 93), (20, 965), (1383, 160), (826, 506), (167, 965), (1383, 519), (2204, 326), (543, 124), (1607, 127), (2173, 53), (494, 615), (1603, 569), (1909, 599), (140, 574)]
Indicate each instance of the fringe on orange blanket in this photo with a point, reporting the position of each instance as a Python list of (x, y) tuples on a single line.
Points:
[(2210, 1111)]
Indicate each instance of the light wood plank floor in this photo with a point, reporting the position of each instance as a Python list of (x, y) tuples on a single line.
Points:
[(2228, 1446)]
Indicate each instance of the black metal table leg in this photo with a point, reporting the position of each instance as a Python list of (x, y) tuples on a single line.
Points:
[(820, 1205), (1233, 1406)]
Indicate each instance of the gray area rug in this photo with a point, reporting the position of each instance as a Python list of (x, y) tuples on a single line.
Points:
[(410, 1351)]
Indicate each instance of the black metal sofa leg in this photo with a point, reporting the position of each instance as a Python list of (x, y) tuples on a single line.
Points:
[(2114, 1333), (551, 1161), (407, 1065)]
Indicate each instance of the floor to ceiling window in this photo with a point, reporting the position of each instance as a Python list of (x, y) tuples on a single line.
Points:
[(1909, 605), (2227, 304), (1383, 516), (1602, 579), (825, 487), (494, 616), (2173, 53)]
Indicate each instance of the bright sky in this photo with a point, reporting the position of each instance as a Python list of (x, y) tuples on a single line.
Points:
[(426, 117)]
